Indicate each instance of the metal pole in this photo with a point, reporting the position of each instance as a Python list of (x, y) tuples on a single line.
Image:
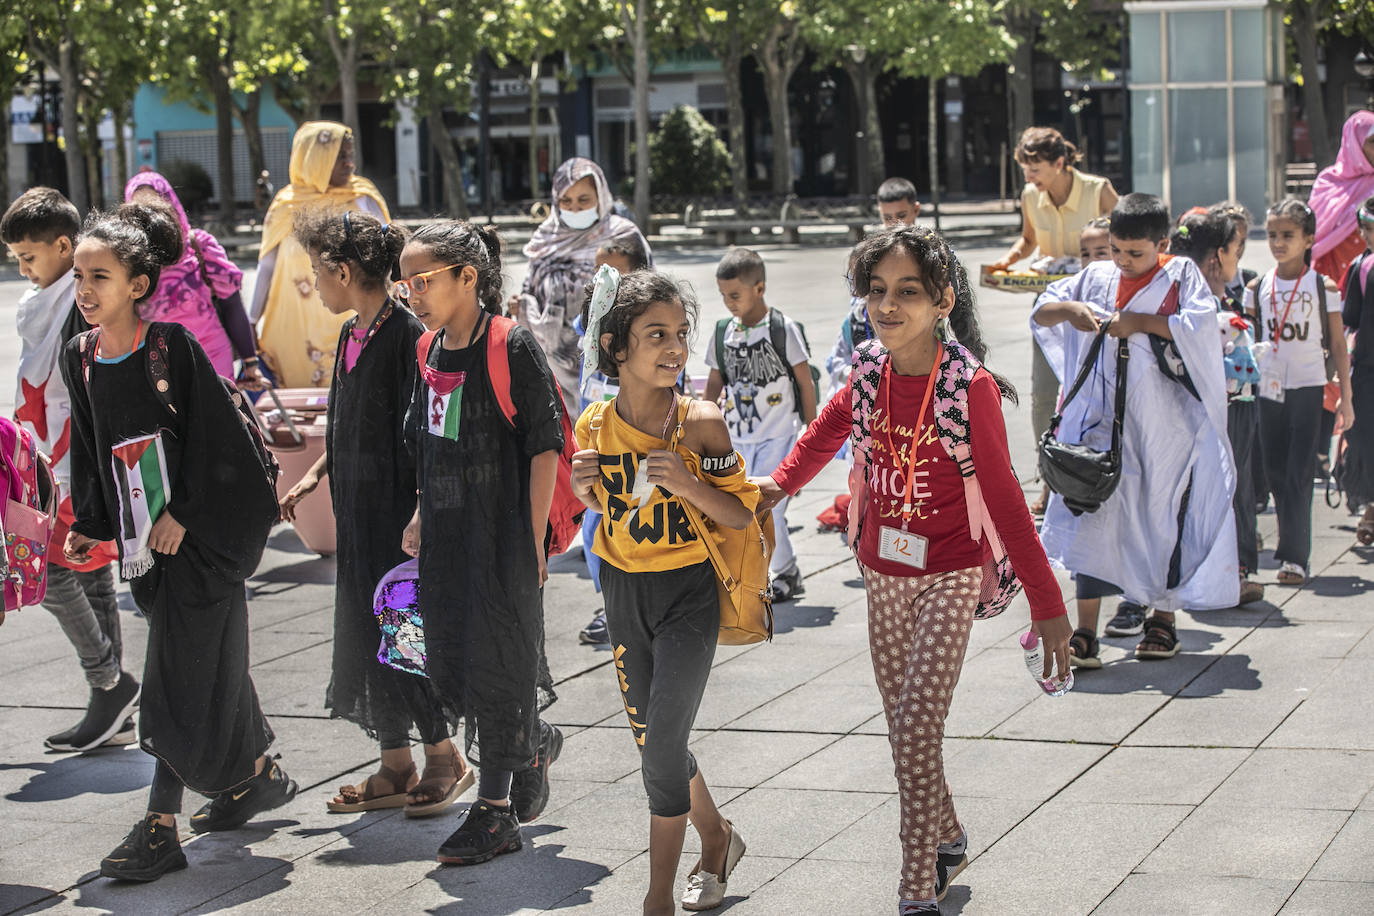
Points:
[(484, 134), (933, 146)]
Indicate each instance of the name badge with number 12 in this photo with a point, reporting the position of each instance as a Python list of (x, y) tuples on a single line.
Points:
[(900, 546)]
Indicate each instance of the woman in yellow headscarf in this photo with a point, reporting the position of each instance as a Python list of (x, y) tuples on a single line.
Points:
[(297, 336)]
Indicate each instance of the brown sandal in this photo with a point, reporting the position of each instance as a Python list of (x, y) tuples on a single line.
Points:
[(1160, 640), (367, 796), (446, 777), (1364, 531)]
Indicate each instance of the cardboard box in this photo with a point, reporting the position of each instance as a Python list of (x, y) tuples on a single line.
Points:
[(1018, 281)]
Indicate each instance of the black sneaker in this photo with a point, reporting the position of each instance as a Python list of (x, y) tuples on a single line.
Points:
[(788, 586), (947, 867), (105, 715), (233, 808), (529, 789), (487, 832), (147, 853), (1129, 620), (595, 633)]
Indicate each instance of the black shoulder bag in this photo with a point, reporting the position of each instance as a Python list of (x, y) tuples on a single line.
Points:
[(1083, 476)]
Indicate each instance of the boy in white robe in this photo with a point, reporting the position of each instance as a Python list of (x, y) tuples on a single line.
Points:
[(1166, 537)]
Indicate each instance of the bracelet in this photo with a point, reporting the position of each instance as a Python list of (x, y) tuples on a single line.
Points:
[(250, 361)]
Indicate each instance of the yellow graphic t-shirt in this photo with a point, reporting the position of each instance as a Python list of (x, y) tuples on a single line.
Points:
[(652, 534)]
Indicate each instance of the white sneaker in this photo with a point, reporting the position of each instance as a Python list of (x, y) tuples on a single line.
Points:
[(705, 891)]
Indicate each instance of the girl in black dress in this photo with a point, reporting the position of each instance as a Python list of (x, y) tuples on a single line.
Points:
[(1357, 464), (486, 481), (163, 462), (372, 484)]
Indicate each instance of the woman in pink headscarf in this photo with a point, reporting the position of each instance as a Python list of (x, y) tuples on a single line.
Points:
[(201, 292), (1337, 195)]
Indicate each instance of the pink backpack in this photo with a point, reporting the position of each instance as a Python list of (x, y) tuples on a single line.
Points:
[(952, 379), (26, 516)]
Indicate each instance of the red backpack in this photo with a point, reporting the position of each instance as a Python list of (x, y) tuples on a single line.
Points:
[(565, 512), (27, 510)]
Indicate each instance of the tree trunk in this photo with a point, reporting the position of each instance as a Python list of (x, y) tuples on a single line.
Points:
[(346, 58), (5, 151), (864, 76), (732, 60), (933, 147), (77, 189), (250, 117), (1305, 37), (121, 149), (779, 56), (534, 128), (1021, 84), (224, 146), (348, 89), (641, 49), (90, 118), (455, 195)]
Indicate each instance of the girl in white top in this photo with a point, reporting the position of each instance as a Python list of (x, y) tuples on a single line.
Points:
[(1294, 329)]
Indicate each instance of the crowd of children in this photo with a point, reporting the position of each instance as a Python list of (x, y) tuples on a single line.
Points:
[(448, 432)]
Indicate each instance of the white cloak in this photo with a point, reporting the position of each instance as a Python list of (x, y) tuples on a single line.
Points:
[(1168, 439)]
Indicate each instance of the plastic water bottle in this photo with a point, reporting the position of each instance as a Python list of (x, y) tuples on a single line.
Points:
[(1055, 685)]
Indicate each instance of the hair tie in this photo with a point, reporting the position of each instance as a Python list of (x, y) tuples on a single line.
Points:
[(1365, 216), (604, 289), (1183, 231), (349, 240)]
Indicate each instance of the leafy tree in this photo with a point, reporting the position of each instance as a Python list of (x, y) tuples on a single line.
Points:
[(1080, 33), (437, 44), (686, 154), (722, 26), (1305, 20), (51, 38)]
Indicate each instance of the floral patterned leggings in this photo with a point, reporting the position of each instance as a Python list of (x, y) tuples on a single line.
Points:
[(918, 629)]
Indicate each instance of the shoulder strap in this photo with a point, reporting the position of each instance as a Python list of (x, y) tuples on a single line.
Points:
[(200, 259), (777, 334), (89, 340), (1321, 308), (498, 364), (159, 368), (422, 347), (594, 420), (722, 326), (864, 379), (1259, 310), (1085, 370), (694, 516)]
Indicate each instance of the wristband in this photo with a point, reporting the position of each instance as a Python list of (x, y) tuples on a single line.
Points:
[(250, 361), (721, 466)]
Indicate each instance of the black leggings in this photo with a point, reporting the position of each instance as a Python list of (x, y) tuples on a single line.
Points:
[(1290, 430), (663, 628), (165, 795)]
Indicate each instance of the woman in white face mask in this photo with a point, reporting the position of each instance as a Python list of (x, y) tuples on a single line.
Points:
[(562, 255)]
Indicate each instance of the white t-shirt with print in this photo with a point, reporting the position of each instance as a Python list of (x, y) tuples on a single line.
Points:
[(759, 404), (1295, 353)]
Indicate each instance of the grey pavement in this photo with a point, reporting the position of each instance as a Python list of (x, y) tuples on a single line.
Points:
[(1235, 778)]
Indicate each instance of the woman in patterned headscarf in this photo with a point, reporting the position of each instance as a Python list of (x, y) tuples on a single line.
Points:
[(562, 255), (201, 292), (296, 334)]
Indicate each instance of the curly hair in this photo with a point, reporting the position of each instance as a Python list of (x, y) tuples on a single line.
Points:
[(939, 270), (371, 246), (144, 237), (636, 292)]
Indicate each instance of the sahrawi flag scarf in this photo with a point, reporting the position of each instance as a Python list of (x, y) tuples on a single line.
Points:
[(140, 472), (445, 407)]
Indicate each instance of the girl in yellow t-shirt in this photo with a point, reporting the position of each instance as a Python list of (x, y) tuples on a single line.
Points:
[(644, 456)]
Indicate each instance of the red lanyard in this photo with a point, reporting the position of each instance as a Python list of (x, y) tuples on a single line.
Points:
[(1287, 309), (886, 384)]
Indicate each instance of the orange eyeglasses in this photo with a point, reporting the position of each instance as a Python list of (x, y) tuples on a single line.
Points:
[(420, 282)]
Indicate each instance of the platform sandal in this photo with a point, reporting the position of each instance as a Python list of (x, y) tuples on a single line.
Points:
[(446, 777), (369, 797)]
